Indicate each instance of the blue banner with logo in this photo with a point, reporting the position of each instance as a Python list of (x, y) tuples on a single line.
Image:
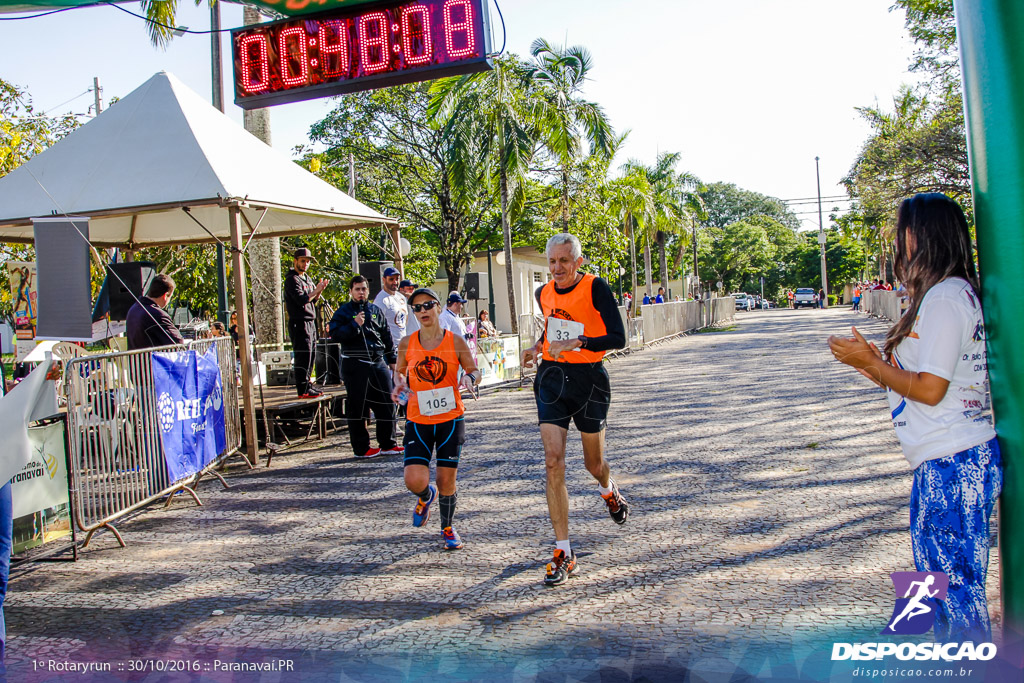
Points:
[(190, 409)]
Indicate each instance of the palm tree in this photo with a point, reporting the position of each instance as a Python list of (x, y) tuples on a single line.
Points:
[(665, 195), (563, 115), (489, 113), (631, 199)]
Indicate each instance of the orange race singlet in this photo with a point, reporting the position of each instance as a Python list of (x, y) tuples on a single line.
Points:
[(577, 308), (434, 380)]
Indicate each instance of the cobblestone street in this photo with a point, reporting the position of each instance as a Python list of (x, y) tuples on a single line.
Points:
[(769, 503)]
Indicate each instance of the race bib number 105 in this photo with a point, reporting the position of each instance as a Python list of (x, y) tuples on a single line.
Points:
[(563, 330), (436, 401)]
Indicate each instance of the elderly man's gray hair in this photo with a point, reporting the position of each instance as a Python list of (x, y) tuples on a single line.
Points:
[(565, 238)]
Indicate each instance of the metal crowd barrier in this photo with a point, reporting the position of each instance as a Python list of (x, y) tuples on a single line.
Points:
[(116, 454), (661, 321), (882, 304)]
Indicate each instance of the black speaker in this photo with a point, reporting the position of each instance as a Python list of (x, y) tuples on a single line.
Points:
[(373, 271), (476, 283), (327, 362), (126, 283)]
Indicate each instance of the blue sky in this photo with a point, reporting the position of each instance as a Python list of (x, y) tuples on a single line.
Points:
[(749, 91)]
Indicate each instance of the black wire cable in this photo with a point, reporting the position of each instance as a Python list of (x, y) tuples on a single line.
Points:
[(157, 23), (504, 32)]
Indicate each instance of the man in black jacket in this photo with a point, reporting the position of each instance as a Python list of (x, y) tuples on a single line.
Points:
[(147, 324), (299, 296), (367, 361)]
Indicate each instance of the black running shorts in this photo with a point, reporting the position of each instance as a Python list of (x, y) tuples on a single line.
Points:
[(580, 392), (447, 438)]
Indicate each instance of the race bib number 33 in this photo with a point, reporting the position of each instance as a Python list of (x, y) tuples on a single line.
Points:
[(436, 401), (563, 330)]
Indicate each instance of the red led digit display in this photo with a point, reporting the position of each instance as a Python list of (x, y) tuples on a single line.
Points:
[(372, 46)]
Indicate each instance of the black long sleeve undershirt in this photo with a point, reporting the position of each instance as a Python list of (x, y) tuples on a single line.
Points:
[(604, 302)]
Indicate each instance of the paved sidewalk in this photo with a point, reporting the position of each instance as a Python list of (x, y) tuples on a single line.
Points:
[(769, 503)]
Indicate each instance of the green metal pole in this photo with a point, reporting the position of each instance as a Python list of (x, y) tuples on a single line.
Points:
[(992, 53)]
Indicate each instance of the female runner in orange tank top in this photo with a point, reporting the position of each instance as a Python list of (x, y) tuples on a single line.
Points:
[(427, 377)]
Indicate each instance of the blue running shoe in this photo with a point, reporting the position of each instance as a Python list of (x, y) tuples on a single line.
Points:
[(451, 538), (422, 512)]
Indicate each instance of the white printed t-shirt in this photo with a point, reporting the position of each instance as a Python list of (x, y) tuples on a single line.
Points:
[(450, 321), (396, 310), (947, 340)]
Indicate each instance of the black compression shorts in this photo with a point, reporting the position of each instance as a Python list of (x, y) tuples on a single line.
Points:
[(577, 392), (447, 438)]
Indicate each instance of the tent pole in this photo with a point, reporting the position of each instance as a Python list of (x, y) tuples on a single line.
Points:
[(396, 235), (242, 310)]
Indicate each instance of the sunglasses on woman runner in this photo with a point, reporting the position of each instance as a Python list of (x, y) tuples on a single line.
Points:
[(425, 306)]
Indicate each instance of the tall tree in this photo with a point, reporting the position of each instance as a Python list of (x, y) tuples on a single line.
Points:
[(496, 106), (565, 118), (632, 199)]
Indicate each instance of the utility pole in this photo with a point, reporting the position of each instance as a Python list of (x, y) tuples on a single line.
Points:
[(821, 237), (217, 80), (97, 93), (696, 276)]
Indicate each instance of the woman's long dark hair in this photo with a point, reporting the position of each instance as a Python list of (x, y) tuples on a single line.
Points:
[(941, 249)]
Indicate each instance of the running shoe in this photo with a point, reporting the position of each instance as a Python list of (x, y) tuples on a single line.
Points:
[(560, 569), (311, 393), (618, 508), (394, 450), (422, 512), (451, 538), (371, 453)]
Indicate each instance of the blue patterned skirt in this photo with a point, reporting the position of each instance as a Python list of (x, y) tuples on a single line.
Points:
[(950, 506)]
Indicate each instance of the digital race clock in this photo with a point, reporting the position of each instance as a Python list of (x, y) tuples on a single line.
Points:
[(372, 46)]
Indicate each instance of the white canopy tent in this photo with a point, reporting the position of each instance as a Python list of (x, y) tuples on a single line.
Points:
[(134, 167), (156, 157)]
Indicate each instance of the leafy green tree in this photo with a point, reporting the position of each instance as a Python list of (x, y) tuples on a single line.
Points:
[(405, 169), (24, 132), (725, 203), (563, 115), (843, 260)]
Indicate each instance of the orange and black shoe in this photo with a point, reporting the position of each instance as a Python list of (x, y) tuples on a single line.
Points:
[(560, 569), (618, 508)]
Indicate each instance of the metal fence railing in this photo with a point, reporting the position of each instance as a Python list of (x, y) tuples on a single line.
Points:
[(882, 304), (116, 454), (661, 321)]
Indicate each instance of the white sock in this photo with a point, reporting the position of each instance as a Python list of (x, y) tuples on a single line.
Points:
[(605, 491), (564, 546)]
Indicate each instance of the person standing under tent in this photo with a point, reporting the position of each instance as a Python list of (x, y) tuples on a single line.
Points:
[(936, 380), (147, 324), (406, 288), (393, 303), (367, 360), (572, 385), (427, 376), (299, 296)]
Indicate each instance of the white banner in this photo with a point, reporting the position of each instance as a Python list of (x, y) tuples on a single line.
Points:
[(43, 483)]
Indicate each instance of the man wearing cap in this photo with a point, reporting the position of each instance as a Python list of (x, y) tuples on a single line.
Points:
[(393, 304), (451, 317), (412, 324), (299, 296)]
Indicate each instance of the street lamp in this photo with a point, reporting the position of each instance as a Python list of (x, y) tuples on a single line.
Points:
[(622, 271)]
